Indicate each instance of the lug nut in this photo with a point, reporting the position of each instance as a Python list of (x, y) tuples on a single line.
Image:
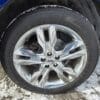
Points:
[(57, 57), (55, 65), (47, 66), (43, 59), (49, 54)]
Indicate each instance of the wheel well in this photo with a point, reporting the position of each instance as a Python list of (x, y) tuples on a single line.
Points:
[(15, 7)]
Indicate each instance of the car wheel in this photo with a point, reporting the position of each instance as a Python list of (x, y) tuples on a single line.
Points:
[(50, 50)]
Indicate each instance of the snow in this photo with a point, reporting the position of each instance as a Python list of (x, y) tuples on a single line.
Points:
[(89, 90)]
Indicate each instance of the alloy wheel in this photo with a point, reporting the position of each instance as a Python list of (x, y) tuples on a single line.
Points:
[(50, 56)]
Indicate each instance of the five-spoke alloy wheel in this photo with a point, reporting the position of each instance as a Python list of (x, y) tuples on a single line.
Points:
[(53, 54)]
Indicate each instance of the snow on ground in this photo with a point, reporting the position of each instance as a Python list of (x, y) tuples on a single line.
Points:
[(90, 90)]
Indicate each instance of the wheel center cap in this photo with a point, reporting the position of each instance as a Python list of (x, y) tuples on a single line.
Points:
[(51, 60)]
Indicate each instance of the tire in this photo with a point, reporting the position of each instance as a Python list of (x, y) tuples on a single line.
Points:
[(40, 16)]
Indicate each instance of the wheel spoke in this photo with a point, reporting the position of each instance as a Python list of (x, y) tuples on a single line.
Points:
[(25, 56), (72, 46), (41, 38), (75, 55), (68, 70), (44, 78), (52, 36), (36, 75), (23, 52), (60, 74)]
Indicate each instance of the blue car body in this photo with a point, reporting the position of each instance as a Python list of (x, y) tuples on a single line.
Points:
[(2, 2)]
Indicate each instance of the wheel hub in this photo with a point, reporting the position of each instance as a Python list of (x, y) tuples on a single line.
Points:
[(51, 61)]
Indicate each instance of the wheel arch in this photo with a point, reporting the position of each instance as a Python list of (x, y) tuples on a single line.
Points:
[(15, 7)]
